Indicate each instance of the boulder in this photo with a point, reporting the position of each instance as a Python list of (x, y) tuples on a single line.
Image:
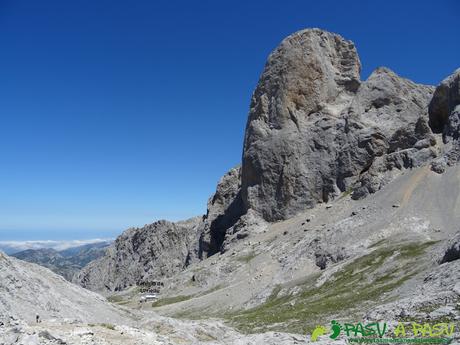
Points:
[(451, 250)]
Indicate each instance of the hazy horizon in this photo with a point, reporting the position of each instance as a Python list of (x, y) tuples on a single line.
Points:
[(12, 247)]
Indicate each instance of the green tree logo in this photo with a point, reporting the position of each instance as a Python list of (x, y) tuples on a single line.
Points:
[(336, 328)]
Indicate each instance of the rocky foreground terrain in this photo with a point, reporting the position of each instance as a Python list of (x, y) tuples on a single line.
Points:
[(72, 315), (345, 207)]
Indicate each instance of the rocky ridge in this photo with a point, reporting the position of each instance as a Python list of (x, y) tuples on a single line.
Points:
[(143, 254)]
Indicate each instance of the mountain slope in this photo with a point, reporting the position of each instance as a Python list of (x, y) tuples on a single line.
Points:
[(376, 258), (27, 290)]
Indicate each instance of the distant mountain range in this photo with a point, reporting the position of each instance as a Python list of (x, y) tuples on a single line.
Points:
[(64, 262), (10, 247)]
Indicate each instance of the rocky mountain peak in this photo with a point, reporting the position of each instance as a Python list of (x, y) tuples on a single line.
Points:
[(315, 130), (310, 70)]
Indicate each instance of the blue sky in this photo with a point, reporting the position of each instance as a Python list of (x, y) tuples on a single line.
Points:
[(118, 113)]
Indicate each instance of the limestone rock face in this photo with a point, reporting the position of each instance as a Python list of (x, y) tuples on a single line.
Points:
[(444, 111), (315, 131), (390, 119), (141, 255), (311, 73)]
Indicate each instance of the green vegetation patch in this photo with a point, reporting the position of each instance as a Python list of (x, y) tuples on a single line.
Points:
[(211, 290), (346, 193), (171, 300), (181, 298), (108, 326), (204, 336), (414, 250), (354, 287), (377, 244), (115, 299)]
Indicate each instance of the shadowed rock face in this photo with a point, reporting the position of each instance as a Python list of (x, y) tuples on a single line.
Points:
[(225, 207), (445, 99), (315, 131), (444, 113), (451, 250)]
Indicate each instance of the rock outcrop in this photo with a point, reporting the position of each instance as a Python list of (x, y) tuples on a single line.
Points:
[(226, 219), (391, 125), (315, 130), (444, 111), (225, 207), (141, 255), (445, 100), (451, 250)]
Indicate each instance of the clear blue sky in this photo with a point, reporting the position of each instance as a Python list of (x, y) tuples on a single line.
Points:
[(118, 113)]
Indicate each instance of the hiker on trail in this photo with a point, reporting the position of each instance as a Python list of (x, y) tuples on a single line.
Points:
[(37, 318)]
